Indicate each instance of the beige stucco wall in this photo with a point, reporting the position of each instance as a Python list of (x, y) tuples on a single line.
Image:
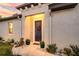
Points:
[(28, 34), (65, 27), (4, 30)]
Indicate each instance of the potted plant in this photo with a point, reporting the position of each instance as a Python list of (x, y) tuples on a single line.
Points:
[(42, 44), (27, 41)]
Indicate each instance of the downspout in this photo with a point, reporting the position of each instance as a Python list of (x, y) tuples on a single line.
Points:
[(21, 25), (21, 20), (50, 26)]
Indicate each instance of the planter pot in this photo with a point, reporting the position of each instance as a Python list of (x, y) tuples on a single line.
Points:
[(27, 42), (42, 44)]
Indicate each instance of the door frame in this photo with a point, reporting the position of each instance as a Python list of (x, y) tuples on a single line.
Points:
[(34, 30), (40, 30)]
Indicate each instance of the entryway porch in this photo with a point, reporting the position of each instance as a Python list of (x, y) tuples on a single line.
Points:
[(33, 27), (30, 50)]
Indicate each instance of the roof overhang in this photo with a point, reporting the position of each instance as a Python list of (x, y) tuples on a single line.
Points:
[(61, 6), (52, 7), (28, 5), (11, 17)]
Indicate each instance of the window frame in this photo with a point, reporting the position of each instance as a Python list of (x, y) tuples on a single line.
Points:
[(10, 30)]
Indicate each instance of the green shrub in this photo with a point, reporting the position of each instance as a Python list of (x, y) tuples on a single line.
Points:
[(60, 51), (1, 38), (52, 48), (27, 41), (75, 50), (17, 44), (42, 44), (67, 51), (8, 40), (6, 52), (5, 49), (12, 41)]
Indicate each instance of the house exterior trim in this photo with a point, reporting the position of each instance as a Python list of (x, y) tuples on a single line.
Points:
[(61, 6), (10, 18), (26, 4)]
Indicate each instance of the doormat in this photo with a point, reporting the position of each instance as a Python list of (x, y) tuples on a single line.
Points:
[(36, 44)]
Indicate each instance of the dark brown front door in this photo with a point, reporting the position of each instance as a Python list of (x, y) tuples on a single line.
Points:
[(38, 30)]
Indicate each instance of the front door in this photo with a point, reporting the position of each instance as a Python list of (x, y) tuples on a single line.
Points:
[(38, 30)]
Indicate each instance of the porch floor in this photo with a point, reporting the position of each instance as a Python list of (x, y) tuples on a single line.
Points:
[(31, 50)]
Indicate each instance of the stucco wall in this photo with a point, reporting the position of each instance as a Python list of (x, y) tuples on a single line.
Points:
[(4, 30), (65, 27)]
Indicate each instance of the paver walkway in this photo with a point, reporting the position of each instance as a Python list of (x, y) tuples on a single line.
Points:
[(31, 50)]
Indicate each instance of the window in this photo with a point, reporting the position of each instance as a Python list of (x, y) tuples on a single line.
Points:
[(10, 27)]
